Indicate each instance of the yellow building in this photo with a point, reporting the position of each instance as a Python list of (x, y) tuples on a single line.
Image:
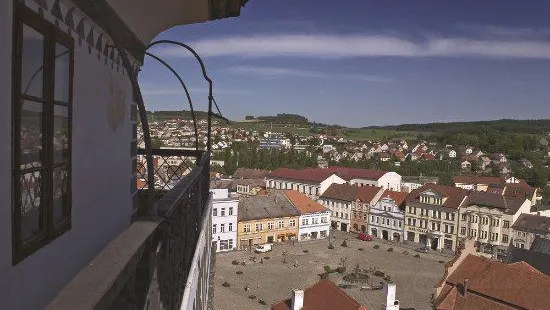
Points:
[(266, 219)]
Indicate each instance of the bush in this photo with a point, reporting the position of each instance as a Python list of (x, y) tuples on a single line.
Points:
[(360, 249), (238, 272), (305, 251), (341, 269), (330, 246), (323, 276), (406, 252), (417, 255), (266, 257), (243, 264), (234, 262), (252, 296), (327, 269), (345, 244), (441, 262), (390, 249), (387, 278), (261, 302), (376, 247), (379, 273), (226, 284)]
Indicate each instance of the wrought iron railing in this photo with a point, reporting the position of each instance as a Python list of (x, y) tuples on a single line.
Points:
[(170, 166), (156, 263)]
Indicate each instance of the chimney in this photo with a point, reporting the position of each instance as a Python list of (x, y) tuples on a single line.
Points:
[(297, 299), (391, 302), (465, 286)]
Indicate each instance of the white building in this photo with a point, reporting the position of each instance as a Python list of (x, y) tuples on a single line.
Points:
[(387, 216), (488, 219), (224, 220), (314, 219), (527, 227), (310, 182)]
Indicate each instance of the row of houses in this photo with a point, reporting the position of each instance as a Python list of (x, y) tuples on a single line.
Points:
[(242, 222)]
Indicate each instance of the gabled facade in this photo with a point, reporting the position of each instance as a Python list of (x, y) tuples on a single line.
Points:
[(527, 227), (314, 219), (386, 217), (431, 216), (310, 182), (487, 218)]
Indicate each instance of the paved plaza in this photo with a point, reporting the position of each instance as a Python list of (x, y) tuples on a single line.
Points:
[(271, 280)]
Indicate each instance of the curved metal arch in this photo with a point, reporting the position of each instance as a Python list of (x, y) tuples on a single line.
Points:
[(205, 76), (181, 83)]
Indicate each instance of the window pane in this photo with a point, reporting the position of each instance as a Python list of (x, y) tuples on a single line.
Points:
[(61, 133), (32, 62), (61, 197), (31, 204), (61, 73), (31, 134)]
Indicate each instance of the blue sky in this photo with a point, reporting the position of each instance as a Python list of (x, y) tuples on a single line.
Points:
[(361, 63)]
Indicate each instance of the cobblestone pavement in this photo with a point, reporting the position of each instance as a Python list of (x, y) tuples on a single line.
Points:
[(271, 280)]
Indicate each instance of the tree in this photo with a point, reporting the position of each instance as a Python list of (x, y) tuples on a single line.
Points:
[(156, 143)]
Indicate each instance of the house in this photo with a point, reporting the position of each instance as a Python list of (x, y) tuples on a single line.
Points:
[(314, 219), (327, 148), (427, 156), (224, 220), (338, 199), (387, 216), (323, 295), (499, 157), (410, 183), (365, 198), (468, 150), (452, 154), (466, 165), (266, 219), (487, 219), (473, 282), (431, 215), (526, 163), (384, 156), (311, 182), (537, 255), (529, 226), (246, 173), (477, 183)]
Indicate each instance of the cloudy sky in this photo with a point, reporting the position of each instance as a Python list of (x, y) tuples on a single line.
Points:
[(361, 63)]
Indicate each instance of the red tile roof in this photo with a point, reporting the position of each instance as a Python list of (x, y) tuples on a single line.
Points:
[(347, 192), (367, 193), (455, 195), (304, 204), (323, 295), (355, 173), (306, 175), (469, 179), (532, 222), (398, 197), (495, 285)]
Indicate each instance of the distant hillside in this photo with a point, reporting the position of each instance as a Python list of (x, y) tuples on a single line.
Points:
[(282, 118), (502, 125), (161, 115)]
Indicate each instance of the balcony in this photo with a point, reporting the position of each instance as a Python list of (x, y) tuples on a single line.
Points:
[(158, 262)]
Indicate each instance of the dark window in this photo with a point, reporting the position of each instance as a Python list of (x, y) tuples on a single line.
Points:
[(41, 133)]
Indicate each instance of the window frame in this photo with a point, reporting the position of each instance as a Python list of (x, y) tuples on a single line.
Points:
[(52, 36)]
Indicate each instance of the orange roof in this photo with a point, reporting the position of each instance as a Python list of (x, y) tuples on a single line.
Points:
[(495, 285), (304, 204), (398, 197), (323, 295)]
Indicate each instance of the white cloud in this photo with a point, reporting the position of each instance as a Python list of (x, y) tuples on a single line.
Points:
[(271, 72), (193, 91), (279, 72), (350, 46)]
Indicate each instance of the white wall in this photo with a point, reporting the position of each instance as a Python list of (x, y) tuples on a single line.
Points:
[(222, 200), (320, 226), (328, 182), (391, 181), (101, 169)]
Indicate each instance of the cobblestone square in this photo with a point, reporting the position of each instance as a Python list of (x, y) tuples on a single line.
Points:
[(271, 280)]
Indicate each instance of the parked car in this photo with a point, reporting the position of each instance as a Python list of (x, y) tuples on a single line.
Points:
[(365, 237), (263, 248), (422, 249)]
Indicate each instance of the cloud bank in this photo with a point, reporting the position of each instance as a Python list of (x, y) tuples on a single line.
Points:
[(354, 46)]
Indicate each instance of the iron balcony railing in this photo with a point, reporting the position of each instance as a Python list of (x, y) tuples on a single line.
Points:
[(157, 262)]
